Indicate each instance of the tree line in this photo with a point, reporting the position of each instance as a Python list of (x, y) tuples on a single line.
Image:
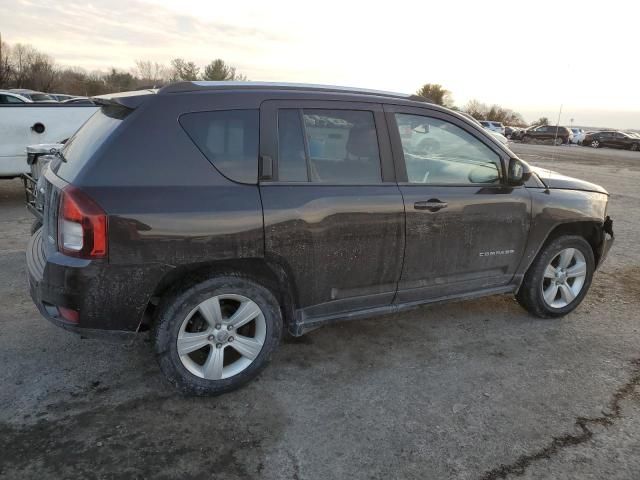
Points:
[(24, 66), (437, 94)]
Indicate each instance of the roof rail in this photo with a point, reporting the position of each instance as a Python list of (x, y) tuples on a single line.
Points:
[(211, 85)]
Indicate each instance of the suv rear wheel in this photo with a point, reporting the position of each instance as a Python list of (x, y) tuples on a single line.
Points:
[(217, 335), (559, 278), (595, 143)]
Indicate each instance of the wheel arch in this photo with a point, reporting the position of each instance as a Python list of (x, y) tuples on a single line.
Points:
[(268, 274), (591, 230)]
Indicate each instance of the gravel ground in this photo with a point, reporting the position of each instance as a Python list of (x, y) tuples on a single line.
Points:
[(473, 390)]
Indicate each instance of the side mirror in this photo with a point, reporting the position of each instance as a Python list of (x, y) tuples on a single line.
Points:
[(484, 174), (517, 173)]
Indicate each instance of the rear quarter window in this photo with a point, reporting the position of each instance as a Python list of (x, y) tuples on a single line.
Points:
[(229, 139)]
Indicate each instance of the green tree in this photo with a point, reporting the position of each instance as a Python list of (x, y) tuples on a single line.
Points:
[(220, 71), (183, 70), (436, 94), (116, 81)]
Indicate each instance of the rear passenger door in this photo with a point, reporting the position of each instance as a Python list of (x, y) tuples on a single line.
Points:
[(333, 214), (466, 229), (542, 133)]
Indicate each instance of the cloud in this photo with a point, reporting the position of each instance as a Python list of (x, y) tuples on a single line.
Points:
[(99, 35)]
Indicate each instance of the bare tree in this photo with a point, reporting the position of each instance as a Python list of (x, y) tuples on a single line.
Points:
[(41, 72), (541, 121), (495, 113), (151, 73), (5, 65), (21, 58)]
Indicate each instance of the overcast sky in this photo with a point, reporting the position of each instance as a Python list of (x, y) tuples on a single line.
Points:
[(528, 56)]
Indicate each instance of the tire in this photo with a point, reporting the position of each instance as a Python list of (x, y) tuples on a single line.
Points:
[(558, 141), (537, 280), (634, 147), (595, 143), (526, 139), (181, 314)]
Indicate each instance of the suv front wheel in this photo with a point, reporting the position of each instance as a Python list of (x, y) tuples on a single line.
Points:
[(559, 277), (217, 335)]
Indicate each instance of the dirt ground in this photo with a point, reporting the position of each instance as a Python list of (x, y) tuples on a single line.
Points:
[(473, 390)]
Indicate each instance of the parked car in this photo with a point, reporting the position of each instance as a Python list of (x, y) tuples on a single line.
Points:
[(509, 132), (612, 139), (291, 207), (501, 138), (38, 158), (79, 101), (11, 98), (23, 124), (493, 126), (519, 134), (578, 135), (34, 96), (61, 97), (548, 133)]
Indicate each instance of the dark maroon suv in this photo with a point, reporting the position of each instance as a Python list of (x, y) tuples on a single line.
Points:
[(219, 215), (548, 134)]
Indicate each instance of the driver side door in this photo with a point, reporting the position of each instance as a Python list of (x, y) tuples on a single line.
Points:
[(466, 229)]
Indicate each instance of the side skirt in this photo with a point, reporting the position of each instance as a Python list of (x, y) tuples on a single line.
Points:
[(303, 324)]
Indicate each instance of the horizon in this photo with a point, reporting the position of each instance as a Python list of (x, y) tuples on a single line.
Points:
[(344, 44)]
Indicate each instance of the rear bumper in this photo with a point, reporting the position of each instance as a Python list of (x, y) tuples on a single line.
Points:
[(110, 300)]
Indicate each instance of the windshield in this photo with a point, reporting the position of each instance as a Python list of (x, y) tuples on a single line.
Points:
[(40, 97)]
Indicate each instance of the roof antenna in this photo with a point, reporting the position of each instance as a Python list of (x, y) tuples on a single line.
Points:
[(555, 138)]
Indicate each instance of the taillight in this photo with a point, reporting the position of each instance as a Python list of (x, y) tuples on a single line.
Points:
[(82, 225)]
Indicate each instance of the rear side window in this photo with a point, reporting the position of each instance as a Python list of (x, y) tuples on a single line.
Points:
[(328, 146), (229, 139)]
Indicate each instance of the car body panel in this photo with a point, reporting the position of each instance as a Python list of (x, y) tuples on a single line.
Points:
[(17, 129), (556, 180), (309, 227)]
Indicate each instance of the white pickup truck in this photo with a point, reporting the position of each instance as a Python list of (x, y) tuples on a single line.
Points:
[(31, 123)]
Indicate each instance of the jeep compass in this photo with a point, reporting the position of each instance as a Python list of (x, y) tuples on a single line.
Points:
[(219, 215)]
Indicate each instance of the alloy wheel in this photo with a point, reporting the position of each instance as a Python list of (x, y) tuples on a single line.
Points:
[(564, 278), (221, 337), (595, 144)]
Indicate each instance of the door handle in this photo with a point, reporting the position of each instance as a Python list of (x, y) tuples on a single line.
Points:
[(433, 205)]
